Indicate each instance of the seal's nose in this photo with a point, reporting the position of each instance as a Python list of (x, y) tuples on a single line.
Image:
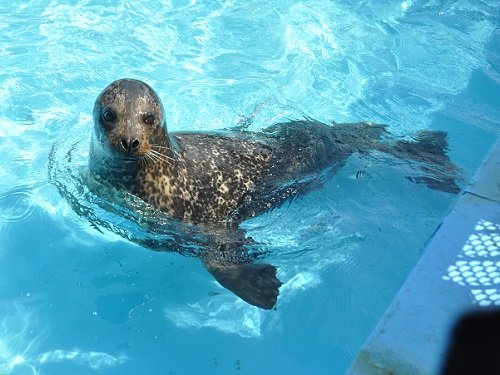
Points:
[(130, 145)]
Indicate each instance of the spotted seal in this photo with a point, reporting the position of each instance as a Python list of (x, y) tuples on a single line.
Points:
[(219, 179)]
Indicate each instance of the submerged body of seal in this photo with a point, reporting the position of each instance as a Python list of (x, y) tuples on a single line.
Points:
[(220, 179)]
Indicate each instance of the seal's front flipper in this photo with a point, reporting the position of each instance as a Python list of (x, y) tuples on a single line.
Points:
[(256, 284)]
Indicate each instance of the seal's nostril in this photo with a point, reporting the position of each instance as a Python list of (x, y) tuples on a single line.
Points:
[(125, 143), (130, 145)]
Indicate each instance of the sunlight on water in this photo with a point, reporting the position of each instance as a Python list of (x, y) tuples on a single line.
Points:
[(479, 265), (99, 302), (94, 360), (20, 341)]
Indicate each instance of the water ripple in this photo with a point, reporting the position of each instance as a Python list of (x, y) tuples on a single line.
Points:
[(16, 205)]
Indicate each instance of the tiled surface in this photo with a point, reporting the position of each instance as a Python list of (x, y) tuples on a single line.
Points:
[(460, 270)]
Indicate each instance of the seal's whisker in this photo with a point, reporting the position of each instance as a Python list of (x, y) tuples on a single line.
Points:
[(154, 155), (158, 146), (152, 159), (165, 148), (157, 157), (159, 154), (144, 160), (163, 156), (148, 160)]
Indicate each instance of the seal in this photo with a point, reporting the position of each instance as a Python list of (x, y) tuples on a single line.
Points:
[(219, 179)]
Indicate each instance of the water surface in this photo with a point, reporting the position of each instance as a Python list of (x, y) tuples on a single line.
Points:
[(78, 298)]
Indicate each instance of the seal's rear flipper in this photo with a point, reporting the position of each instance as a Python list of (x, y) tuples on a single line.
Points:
[(429, 148), (442, 183), (256, 284)]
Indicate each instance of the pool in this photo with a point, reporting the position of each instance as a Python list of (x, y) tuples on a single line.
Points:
[(76, 297)]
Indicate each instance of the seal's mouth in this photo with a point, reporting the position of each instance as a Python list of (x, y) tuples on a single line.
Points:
[(143, 152)]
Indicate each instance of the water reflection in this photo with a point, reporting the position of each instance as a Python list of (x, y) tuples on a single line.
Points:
[(21, 340), (94, 360), (479, 265)]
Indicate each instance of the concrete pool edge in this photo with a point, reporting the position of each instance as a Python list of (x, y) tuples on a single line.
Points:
[(452, 276)]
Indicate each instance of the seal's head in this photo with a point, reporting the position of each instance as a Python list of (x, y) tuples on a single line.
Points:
[(129, 120)]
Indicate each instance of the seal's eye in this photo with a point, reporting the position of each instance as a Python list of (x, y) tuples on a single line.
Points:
[(148, 119), (108, 116)]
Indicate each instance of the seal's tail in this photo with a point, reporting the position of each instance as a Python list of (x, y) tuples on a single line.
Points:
[(256, 283)]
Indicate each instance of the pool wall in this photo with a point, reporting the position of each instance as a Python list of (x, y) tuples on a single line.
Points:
[(459, 272)]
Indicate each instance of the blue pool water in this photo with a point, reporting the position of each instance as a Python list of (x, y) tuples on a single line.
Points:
[(78, 298)]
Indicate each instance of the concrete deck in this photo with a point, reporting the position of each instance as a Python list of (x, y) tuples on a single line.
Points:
[(459, 271)]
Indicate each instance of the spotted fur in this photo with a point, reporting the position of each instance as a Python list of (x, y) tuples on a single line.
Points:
[(199, 178), (221, 177)]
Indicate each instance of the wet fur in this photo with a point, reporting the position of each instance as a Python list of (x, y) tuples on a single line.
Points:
[(220, 179)]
